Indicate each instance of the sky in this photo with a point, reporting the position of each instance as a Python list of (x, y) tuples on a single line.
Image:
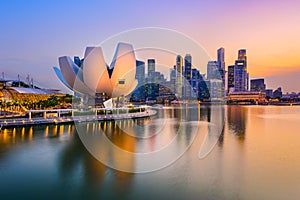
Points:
[(35, 33)]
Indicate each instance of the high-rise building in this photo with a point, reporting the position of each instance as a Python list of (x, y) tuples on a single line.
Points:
[(188, 67), (221, 58), (195, 82), (230, 78), (151, 69), (151, 86), (173, 79), (139, 93), (213, 70), (241, 76), (258, 85), (215, 89), (179, 66), (140, 72), (221, 65), (187, 75)]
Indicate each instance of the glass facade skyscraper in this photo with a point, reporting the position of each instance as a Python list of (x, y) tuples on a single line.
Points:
[(213, 70), (187, 75), (179, 66), (230, 86), (151, 69), (140, 72), (240, 76)]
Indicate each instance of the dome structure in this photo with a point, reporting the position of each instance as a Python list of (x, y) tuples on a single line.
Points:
[(95, 76)]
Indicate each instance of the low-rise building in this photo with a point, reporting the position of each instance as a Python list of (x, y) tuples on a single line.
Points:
[(246, 98)]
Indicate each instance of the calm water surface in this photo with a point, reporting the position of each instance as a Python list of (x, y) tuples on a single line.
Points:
[(256, 157)]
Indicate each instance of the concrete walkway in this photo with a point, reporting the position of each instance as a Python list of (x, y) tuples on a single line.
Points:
[(6, 123)]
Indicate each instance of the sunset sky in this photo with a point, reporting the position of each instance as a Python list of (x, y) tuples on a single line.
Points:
[(35, 33)]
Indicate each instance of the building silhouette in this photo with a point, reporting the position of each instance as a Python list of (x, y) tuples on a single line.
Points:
[(187, 75), (230, 86), (241, 76), (179, 67), (277, 93), (221, 65), (258, 85)]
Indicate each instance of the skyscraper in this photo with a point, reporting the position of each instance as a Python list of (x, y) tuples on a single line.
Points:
[(240, 76), (195, 82), (140, 72), (221, 65), (151, 69), (151, 86), (179, 66), (213, 70), (139, 93), (221, 58), (173, 79), (187, 75), (230, 87), (188, 67)]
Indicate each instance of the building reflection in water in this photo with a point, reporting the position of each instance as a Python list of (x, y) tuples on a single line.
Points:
[(141, 145), (237, 119), (215, 116), (172, 128)]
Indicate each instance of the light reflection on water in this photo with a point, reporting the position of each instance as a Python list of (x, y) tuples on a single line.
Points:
[(256, 157)]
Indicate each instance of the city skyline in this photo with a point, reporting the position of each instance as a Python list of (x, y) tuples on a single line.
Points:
[(36, 34)]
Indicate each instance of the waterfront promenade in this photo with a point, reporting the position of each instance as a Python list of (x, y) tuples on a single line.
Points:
[(144, 111)]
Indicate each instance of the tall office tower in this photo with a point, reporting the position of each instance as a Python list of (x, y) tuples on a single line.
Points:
[(188, 67), (139, 94), (173, 79), (242, 55), (151, 69), (221, 58), (140, 72), (179, 66), (221, 65), (187, 75), (230, 78), (241, 76), (258, 85), (213, 70), (195, 82), (151, 87)]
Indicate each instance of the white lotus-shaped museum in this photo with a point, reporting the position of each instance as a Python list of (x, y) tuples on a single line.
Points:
[(95, 76)]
